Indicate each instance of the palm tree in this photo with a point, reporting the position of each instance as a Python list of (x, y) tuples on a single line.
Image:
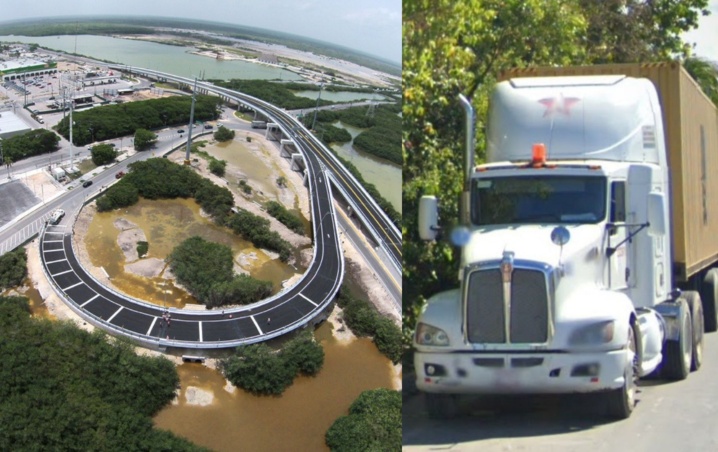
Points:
[(706, 74)]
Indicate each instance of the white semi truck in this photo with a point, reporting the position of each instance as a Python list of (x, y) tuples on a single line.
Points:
[(588, 240)]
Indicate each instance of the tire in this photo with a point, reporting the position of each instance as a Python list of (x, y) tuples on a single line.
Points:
[(696, 306), (678, 355), (709, 299), (441, 406), (622, 401)]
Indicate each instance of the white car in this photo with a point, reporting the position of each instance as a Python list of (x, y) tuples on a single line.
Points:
[(57, 216)]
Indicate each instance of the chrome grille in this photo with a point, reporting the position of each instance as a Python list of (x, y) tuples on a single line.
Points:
[(485, 308), (529, 311), (529, 307)]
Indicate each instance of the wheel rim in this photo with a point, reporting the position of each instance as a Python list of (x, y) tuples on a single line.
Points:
[(631, 369), (699, 336), (688, 341)]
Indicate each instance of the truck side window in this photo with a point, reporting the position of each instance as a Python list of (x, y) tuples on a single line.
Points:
[(618, 201)]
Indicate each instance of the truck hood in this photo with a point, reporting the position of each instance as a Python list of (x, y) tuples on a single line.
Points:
[(533, 243)]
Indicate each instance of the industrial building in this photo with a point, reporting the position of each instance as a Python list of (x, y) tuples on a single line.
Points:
[(11, 125), (24, 67)]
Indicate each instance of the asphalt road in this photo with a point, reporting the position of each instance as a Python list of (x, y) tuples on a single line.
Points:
[(388, 234), (670, 416)]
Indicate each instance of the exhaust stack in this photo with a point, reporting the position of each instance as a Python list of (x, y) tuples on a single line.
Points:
[(469, 152)]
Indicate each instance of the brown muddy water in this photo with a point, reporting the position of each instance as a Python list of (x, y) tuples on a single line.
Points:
[(166, 223), (297, 420)]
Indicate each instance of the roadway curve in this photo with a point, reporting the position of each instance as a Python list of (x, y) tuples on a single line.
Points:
[(378, 224), (144, 322)]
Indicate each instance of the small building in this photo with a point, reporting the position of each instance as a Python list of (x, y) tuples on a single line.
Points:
[(59, 174), (11, 125)]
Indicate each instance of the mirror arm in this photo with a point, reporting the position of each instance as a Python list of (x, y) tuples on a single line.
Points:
[(612, 249)]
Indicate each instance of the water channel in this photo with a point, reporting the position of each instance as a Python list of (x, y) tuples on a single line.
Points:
[(179, 61), (296, 420), (386, 177)]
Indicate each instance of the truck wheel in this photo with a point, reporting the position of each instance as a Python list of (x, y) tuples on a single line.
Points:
[(441, 406), (620, 402), (709, 297), (678, 354), (694, 303)]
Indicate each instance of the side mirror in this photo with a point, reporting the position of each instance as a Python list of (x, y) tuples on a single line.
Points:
[(656, 214), (428, 218)]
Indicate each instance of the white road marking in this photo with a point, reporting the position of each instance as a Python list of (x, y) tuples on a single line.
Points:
[(54, 262), (152, 325), (113, 315), (61, 273), (302, 295), (200, 331), (74, 285), (83, 304), (256, 324)]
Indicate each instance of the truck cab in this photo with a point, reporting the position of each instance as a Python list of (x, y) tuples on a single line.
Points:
[(565, 281)]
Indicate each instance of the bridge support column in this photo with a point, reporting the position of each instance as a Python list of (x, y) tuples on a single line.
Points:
[(282, 150), (305, 179), (271, 126), (298, 162)]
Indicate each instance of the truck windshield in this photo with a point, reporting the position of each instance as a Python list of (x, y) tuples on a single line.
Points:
[(538, 199)]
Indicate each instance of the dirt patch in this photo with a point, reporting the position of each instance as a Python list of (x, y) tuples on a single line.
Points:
[(149, 268), (128, 238)]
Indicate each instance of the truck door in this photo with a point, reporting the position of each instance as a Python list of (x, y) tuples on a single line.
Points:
[(618, 269)]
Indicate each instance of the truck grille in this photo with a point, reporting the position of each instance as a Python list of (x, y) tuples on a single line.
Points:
[(529, 317)]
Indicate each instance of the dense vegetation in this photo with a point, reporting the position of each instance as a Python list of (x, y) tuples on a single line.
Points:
[(34, 142), (364, 320), (142, 248), (206, 269), (224, 134), (102, 154), (258, 369), (331, 134), (383, 135), (274, 93), (256, 229), (66, 389), (13, 268), (144, 139), (284, 216), (462, 47), (112, 121), (373, 423), (217, 167)]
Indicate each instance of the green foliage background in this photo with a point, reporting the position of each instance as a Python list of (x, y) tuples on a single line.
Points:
[(13, 268), (261, 371), (66, 389), (452, 48), (373, 423), (34, 142), (206, 269), (112, 121)]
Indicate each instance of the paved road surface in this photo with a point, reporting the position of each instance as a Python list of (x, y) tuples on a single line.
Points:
[(670, 416)]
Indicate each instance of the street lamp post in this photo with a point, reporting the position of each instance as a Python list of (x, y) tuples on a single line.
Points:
[(321, 85)]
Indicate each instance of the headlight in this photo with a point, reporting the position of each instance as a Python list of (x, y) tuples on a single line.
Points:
[(429, 335), (594, 334)]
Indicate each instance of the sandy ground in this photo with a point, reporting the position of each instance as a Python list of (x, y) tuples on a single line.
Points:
[(42, 184)]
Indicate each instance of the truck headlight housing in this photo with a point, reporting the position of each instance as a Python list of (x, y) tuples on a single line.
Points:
[(430, 335), (593, 334)]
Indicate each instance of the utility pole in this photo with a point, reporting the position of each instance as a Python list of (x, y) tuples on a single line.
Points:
[(191, 123), (317, 107)]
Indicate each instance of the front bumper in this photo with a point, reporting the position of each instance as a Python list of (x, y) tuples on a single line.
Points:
[(519, 373)]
